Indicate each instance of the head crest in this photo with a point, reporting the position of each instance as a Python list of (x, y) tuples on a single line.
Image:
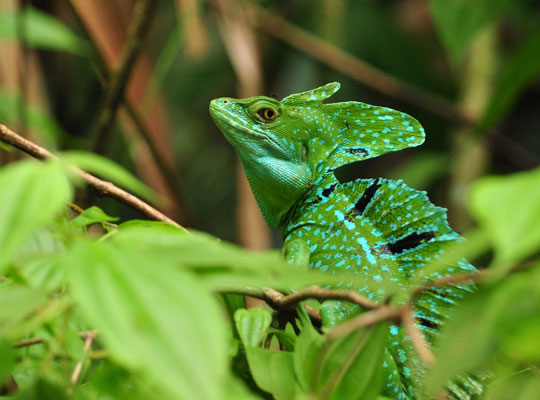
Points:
[(318, 94)]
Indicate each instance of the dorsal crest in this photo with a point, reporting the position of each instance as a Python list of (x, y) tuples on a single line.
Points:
[(314, 95)]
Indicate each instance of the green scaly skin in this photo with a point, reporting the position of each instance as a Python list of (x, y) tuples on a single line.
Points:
[(379, 229)]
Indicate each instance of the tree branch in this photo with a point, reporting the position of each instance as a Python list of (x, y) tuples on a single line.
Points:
[(104, 188)]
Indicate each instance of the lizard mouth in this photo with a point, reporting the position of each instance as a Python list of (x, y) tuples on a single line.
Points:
[(222, 116)]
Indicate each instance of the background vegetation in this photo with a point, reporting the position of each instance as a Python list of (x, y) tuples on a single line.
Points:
[(94, 306)]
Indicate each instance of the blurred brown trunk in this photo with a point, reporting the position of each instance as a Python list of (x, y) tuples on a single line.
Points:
[(241, 47), (21, 75), (470, 153), (106, 21)]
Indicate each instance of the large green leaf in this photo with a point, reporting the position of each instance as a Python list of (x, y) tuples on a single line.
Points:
[(499, 323), (458, 21), (508, 208), (42, 31), (31, 193), (153, 318), (224, 265)]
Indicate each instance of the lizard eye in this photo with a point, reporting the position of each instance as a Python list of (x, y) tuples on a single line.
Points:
[(266, 114)]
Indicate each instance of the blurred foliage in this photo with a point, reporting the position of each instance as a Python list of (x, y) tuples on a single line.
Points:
[(149, 289)]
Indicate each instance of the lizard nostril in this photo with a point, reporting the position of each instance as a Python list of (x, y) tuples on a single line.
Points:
[(225, 102)]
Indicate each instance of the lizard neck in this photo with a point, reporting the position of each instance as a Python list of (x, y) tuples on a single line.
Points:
[(277, 185)]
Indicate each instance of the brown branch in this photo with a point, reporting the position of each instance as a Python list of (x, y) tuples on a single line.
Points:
[(419, 342), (142, 13), (104, 188), (353, 67), (369, 318), (327, 294), (38, 340), (28, 342)]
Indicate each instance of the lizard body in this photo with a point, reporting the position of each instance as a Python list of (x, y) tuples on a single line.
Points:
[(377, 228)]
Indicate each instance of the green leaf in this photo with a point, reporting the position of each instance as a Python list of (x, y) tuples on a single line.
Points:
[(252, 325), (353, 366), (7, 359), (508, 209), (109, 170), (521, 387), (497, 323), (224, 265), (153, 318), (40, 121), (458, 21), (31, 194), (42, 31), (42, 389), (19, 301), (92, 215), (307, 355), (518, 72), (273, 371)]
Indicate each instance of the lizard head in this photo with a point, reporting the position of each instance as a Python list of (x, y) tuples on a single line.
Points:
[(286, 145)]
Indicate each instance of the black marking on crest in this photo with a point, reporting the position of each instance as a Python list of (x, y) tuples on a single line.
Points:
[(408, 242), (347, 124), (427, 323), (366, 197), (328, 191), (358, 150)]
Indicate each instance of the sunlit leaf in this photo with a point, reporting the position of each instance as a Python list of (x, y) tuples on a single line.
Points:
[(153, 318), (31, 194), (508, 208), (110, 170)]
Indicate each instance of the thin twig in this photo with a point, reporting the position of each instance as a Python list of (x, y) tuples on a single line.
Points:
[(418, 340), (384, 313), (104, 188), (142, 13), (89, 338), (28, 342), (353, 67)]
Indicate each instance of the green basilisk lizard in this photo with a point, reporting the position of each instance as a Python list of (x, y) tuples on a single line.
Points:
[(376, 227)]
